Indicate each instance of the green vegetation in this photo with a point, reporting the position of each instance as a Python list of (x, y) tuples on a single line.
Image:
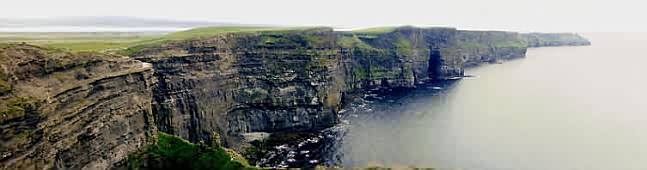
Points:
[(211, 31), (16, 107), (540, 39), (255, 94), (353, 41), (270, 39), (87, 46), (79, 41), (133, 42), (403, 46), (348, 41), (23, 134), (360, 73), (314, 40), (207, 32), (490, 39), (172, 152), (273, 39), (514, 44), (376, 30), (99, 41), (5, 87), (495, 44)]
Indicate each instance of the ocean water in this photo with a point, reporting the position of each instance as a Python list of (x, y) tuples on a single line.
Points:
[(558, 108)]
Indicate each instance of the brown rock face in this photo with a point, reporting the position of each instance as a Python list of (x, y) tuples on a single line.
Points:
[(72, 111)]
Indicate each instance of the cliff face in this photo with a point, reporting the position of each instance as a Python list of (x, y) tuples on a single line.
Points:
[(401, 58), (476, 47), (71, 111), (238, 83), (555, 39)]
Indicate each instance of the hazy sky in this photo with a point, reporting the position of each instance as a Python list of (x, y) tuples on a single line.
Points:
[(516, 15)]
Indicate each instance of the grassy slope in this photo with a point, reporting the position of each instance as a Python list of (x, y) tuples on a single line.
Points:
[(79, 41), (544, 38), (172, 152), (352, 40), (375, 30), (489, 39), (211, 31), (135, 41), (118, 40)]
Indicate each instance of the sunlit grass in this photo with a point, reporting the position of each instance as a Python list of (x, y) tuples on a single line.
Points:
[(84, 41), (211, 31), (101, 41), (376, 30), (172, 152), (205, 32), (130, 41)]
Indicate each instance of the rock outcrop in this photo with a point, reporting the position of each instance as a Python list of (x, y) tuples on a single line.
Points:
[(71, 111)]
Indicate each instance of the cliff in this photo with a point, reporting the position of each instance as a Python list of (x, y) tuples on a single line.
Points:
[(476, 47), (89, 110), (236, 83), (290, 81), (70, 111), (555, 39)]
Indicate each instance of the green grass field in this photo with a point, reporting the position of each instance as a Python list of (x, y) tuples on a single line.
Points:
[(375, 30), (211, 31), (102, 41), (173, 152), (80, 41)]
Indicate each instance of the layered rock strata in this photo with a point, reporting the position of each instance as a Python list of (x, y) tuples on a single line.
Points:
[(71, 111)]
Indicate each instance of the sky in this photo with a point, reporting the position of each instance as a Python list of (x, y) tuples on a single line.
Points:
[(510, 15)]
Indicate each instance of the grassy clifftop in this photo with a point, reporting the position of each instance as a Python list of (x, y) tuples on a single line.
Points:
[(172, 152), (118, 41), (101, 41), (488, 39), (80, 41), (375, 30), (205, 32), (211, 31), (554, 39)]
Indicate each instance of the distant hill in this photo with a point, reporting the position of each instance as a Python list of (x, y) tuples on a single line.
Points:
[(105, 23)]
